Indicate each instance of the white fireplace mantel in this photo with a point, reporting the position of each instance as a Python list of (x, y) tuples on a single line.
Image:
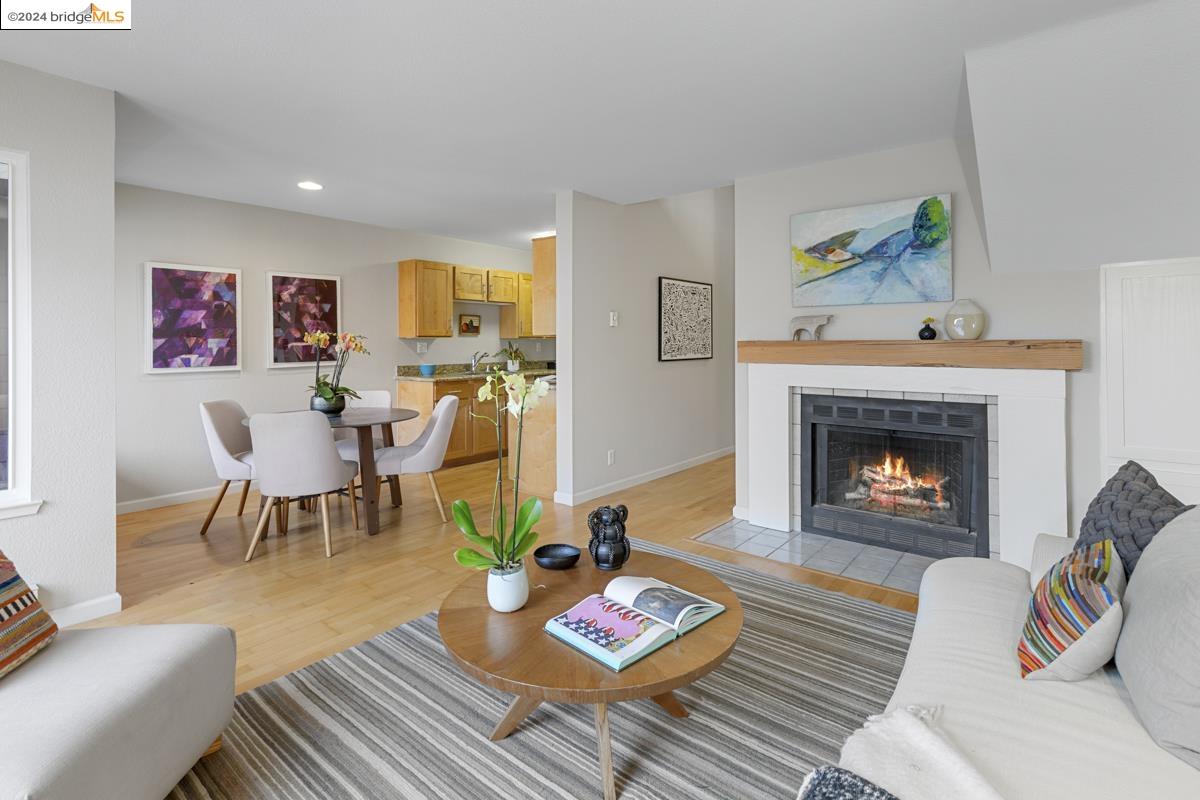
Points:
[(1032, 439)]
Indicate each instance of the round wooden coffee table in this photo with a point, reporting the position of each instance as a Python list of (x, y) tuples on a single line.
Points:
[(513, 653)]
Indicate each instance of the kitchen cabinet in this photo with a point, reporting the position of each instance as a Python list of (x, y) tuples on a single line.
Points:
[(502, 286), (544, 287), (425, 301), (471, 439), (470, 283), (516, 321)]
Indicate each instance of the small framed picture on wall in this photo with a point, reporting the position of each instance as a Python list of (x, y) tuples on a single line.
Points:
[(193, 318), (468, 324), (301, 304), (685, 320)]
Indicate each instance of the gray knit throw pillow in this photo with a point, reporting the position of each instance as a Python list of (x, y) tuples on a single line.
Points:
[(1130, 509)]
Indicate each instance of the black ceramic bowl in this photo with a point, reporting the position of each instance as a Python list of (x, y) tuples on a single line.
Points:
[(556, 556)]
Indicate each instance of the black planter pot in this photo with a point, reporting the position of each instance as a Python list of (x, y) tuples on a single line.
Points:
[(332, 407)]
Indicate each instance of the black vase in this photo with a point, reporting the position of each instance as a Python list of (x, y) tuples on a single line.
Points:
[(609, 546), (331, 408), (927, 333)]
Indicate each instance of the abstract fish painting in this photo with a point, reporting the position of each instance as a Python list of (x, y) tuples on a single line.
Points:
[(894, 252)]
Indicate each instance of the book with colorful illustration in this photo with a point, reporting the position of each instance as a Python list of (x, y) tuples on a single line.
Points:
[(633, 618)]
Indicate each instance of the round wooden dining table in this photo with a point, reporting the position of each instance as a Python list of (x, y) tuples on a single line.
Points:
[(362, 420)]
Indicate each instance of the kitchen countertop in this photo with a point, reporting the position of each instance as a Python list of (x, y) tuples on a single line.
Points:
[(468, 376)]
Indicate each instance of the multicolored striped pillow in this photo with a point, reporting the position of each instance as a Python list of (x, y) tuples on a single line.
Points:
[(1074, 616), (25, 627)]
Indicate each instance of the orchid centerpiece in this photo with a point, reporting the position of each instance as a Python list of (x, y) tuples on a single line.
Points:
[(329, 395), (501, 551)]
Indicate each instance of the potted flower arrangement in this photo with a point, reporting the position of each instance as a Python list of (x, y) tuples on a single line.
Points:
[(329, 396), (501, 552), (514, 355)]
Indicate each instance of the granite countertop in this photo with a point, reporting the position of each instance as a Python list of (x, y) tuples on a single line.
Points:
[(468, 376)]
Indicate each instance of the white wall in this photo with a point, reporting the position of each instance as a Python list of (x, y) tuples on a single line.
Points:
[(161, 453), (69, 547), (1027, 306), (1087, 140), (656, 416)]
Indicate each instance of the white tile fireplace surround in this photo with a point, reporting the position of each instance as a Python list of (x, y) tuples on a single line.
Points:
[(1031, 432)]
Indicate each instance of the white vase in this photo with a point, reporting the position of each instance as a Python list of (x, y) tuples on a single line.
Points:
[(965, 320), (514, 366), (508, 590)]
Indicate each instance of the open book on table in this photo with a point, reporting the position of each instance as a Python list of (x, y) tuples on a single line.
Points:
[(633, 618)]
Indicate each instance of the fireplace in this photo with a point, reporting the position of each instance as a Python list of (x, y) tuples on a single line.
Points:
[(905, 474)]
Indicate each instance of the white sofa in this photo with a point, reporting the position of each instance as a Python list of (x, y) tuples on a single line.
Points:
[(114, 713), (1030, 739)]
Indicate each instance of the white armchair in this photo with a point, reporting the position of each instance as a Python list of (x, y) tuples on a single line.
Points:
[(295, 456), (229, 444), (426, 453)]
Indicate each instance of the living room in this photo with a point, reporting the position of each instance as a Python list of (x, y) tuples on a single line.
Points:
[(351, 351)]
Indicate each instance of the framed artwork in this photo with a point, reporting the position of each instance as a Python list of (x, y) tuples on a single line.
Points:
[(193, 318), (685, 320), (895, 252), (468, 324), (301, 304)]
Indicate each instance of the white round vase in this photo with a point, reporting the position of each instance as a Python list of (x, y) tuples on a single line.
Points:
[(965, 320), (508, 590)]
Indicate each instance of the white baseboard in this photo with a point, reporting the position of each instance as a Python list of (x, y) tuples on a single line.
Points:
[(741, 513), (175, 498), (95, 608), (634, 480)]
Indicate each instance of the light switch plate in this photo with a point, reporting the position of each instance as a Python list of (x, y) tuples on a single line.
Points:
[(612, 319)]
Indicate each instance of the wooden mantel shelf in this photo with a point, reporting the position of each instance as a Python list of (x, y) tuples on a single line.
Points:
[(1061, 354)]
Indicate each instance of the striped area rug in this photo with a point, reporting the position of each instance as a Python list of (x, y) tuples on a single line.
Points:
[(394, 718)]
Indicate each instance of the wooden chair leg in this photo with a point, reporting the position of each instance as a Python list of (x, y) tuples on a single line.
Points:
[(325, 524), (287, 508), (242, 503), (263, 520), (279, 526), (437, 495), (212, 512), (216, 745), (353, 503)]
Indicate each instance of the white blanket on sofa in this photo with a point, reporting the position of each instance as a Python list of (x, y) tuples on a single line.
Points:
[(903, 752)]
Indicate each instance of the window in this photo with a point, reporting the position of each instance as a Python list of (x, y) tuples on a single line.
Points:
[(15, 338)]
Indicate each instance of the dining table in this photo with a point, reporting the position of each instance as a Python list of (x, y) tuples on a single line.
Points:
[(362, 420)]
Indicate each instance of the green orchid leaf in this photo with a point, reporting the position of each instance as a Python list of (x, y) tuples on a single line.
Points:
[(527, 516), (462, 517), (524, 546), (474, 559)]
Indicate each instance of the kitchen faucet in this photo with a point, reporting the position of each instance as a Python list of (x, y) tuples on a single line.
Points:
[(475, 360)]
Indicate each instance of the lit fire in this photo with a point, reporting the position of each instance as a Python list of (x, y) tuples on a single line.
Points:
[(896, 478)]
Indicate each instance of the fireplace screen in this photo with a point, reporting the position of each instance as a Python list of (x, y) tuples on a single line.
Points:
[(900, 474)]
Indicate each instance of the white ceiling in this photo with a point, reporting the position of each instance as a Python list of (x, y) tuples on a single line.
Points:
[(463, 117)]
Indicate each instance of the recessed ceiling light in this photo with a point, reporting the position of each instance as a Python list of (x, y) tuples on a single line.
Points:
[(311, 186), (543, 234)]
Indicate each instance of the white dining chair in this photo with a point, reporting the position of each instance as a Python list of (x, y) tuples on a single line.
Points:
[(426, 453), (229, 445), (295, 456), (347, 438)]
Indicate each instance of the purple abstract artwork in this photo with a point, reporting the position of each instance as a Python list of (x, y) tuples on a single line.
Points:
[(193, 318), (301, 304)]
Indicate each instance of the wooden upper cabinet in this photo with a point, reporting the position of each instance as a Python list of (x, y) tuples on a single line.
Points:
[(470, 283), (516, 321), (502, 286), (425, 304), (544, 288)]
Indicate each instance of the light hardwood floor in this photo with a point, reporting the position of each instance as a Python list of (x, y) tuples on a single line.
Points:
[(291, 606)]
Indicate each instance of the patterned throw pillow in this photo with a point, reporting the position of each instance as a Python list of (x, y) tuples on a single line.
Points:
[(1074, 616), (25, 627), (1130, 509)]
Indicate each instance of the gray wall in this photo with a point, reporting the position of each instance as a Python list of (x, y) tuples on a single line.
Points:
[(656, 416), (67, 128), (161, 451), (1033, 304)]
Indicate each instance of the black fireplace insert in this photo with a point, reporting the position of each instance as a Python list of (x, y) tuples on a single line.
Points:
[(906, 474)]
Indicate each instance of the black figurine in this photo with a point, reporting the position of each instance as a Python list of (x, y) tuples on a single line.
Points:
[(609, 546)]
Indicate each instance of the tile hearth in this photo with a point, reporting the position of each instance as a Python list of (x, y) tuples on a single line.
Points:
[(879, 565)]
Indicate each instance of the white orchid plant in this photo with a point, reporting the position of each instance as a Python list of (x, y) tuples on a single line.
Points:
[(505, 547)]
